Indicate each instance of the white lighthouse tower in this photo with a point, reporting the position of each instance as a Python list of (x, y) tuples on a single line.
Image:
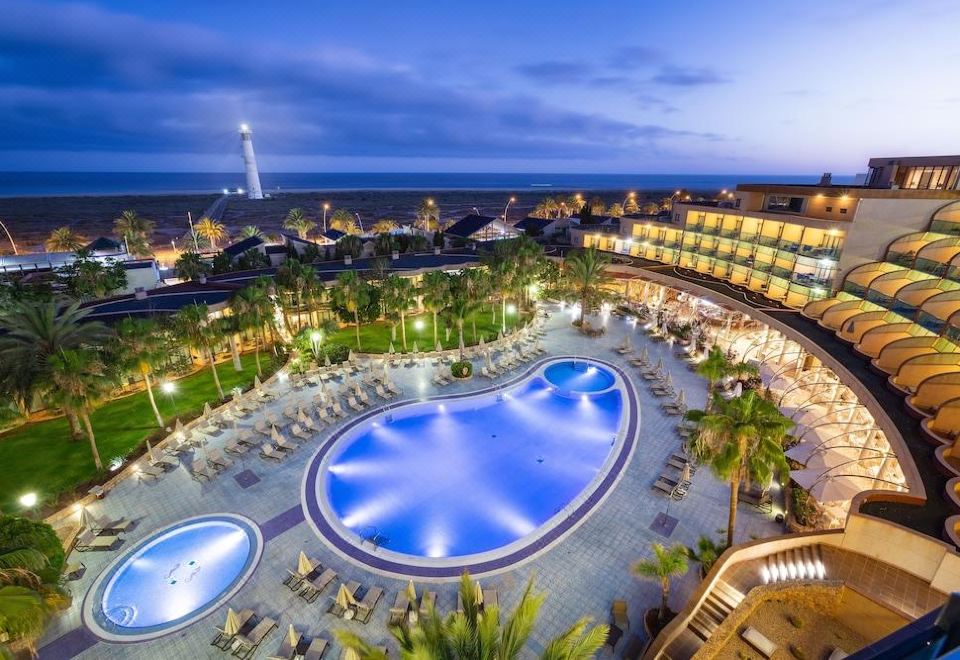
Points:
[(250, 163)]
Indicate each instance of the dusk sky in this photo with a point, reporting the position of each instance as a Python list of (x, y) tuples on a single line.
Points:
[(512, 86)]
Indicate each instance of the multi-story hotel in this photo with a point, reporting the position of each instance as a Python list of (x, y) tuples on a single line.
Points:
[(792, 242)]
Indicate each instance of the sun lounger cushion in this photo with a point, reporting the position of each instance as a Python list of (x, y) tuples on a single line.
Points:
[(757, 640)]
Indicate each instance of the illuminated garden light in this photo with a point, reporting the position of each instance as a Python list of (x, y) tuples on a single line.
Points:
[(168, 387), (418, 324), (28, 500)]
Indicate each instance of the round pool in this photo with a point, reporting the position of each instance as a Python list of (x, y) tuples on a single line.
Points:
[(579, 376), (173, 577), (430, 488)]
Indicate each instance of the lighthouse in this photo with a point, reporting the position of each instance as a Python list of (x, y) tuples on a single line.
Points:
[(250, 163)]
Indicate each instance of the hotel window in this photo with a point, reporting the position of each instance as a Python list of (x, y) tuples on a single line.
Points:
[(843, 211), (829, 209), (784, 203)]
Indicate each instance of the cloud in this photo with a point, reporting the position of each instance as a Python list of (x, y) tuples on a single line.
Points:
[(555, 72), (676, 76), (634, 57)]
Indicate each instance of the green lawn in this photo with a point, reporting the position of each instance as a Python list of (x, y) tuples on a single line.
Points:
[(41, 458), (375, 337)]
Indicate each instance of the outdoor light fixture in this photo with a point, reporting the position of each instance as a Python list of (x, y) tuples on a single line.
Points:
[(511, 309), (168, 387), (28, 500), (315, 336), (418, 324)]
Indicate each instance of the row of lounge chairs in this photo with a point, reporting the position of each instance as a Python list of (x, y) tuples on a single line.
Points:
[(675, 484)]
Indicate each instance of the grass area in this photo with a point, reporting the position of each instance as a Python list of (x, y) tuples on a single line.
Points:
[(41, 457), (376, 338)]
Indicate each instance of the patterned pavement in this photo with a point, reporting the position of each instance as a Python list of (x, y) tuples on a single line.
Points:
[(582, 573)]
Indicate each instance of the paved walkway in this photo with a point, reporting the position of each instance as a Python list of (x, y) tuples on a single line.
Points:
[(583, 573)]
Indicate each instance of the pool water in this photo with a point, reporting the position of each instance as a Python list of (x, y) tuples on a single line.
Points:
[(174, 575), (579, 376), (468, 476)]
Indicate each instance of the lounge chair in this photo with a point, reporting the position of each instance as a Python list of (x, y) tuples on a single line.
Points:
[(297, 431), (157, 459), (236, 447), (222, 639), (247, 644), (318, 647), (275, 421), (353, 587), (391, 387), (618, 611), (246, 437), (401, 605), (262, 428), (338, 409), (354, 404), (284, 444), (200, 471), (382, 393), (288, 647), (758, 641), (314, 586), (89, 540), (676, 462), (74, 571), (149, 472), (369, 602), (269, 452), (217, 460), (290, 412), (103, 524), (665, 486), (428, 601), (363, 397)]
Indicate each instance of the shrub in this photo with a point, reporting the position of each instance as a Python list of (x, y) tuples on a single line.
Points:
[(797, 652), (795, 621), (18, 532), (462, 369), (804, 510)]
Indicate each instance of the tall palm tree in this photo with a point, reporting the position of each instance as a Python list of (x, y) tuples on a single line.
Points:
[(501, 269), (714, 367), (384, 225), (293, 277), (251, 231), (477, 284), (741, 439), (666, 563), (433, 292), (477, 633), (253, 307), (297, 222), (192, 325), (343, 220), (142, 346), (352, 293), (428, 214), (587, 278), (135, 232), (32, 331), (211, 231), (460, 305), (64, 239), (80, 383), (398, 297)]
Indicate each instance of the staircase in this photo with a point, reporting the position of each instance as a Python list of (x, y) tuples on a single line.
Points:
[(717, 606)]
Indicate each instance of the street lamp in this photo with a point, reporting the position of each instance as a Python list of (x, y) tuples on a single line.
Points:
[(326, 207), (630, 195), (169, 388), (360, 221), (509, 202), (28, 500), (9, 237), (315, 337)]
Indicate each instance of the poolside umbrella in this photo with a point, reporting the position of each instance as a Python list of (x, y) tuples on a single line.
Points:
[(685, 475), (829, 488), (439, 348), (86, 519), (304, 565), (232, 625), (302, 416), (659, 367), (275, 434), (356, 389), (411, 592), (344, 598), (645, 355), (391, 350), (293, 639), (500, 336), (178, 427), (256, 382), (206, 409), (326, 360), (479, 594), (681, 398), (668, 381), (350, 355), (416, 348), (482, 345), (351, 654)]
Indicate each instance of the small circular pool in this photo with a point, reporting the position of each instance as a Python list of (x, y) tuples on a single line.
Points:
[(579, 376), (173, 577)]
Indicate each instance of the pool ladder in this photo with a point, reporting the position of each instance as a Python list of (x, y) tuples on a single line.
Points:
[(375, 538)]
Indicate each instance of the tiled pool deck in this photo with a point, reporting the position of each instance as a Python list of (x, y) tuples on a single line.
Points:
[(583, 573)]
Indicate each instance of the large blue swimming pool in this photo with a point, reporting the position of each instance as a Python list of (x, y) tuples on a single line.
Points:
[(461, 477), (173, 577), (579, 376)]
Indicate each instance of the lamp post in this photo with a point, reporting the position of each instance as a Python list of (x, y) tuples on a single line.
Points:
[(505, 208), (630, 195), (9, 237), (315, 338), (326, 207), (169, 388), (360, 221), (28, 501)]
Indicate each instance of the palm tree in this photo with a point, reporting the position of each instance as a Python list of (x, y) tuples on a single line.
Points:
[(460, 305), (299, 223), (64, 239), (665, 564), (477, 284), (706, 552), (428, 214), (351, 293), (252, 306), (384, 225), (398, 297), (477, 634), (32, 331), (714, 367), (251, 231), (191, 266), (343, 220), (433, 292), (80, 383), (141, 347), (501, 270), (192, 325), (26, 598), (135, 232), (615, 210), (293, 278), (587, 277), (211, 231), (741, 439)]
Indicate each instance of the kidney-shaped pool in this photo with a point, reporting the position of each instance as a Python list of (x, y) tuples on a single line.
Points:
[(430, 487)]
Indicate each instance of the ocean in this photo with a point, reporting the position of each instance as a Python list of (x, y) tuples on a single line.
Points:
[(44, 184)]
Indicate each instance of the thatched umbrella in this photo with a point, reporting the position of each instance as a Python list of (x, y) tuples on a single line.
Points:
[(304, 565), (391, 350), (344, 598), (232, 625)]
